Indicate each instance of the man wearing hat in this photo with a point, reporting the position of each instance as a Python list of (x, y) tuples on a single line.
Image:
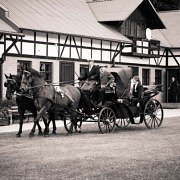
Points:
[(92, 73), (91, 77), (106, 83)]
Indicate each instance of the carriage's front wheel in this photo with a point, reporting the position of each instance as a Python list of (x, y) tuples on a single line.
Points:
[(69, 125), (106, 120), (153, 114)]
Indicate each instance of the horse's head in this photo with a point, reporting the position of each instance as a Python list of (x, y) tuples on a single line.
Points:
[(26, 81), (12, 85)]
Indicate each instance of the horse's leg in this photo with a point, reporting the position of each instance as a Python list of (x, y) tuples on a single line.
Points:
[(39, 127), (52, 118), (46, 121), (21, 118), (42, 112), (73, 114)]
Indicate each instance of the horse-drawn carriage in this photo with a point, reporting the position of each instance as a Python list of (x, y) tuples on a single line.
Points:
[(119, 108), (75, 106)]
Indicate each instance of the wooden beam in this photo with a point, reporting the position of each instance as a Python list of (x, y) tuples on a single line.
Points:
[(174, 57)]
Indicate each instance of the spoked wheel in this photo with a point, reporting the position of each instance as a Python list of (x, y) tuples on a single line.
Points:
[(153, 114), (68, 124), (106, 120), (122, 122)]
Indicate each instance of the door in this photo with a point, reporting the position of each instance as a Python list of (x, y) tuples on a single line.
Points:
[(66, 72), (173, 73)]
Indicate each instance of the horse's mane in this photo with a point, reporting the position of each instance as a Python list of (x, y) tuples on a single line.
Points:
[(35, 73)]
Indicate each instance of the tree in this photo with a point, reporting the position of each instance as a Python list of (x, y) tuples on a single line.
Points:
[(166, 5)]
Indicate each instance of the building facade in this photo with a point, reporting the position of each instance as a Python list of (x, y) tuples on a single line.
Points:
[(58, 37)]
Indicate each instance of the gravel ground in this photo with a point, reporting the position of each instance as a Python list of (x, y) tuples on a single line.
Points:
[(131, 153)]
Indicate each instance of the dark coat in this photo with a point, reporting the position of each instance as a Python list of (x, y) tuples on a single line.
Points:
[(174, 87), (106, 78), (137, 92), (93, 74)]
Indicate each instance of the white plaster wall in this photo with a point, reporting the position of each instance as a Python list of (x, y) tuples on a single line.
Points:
[(9, 67)]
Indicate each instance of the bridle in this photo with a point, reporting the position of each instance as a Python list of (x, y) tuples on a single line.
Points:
[(11, 91)]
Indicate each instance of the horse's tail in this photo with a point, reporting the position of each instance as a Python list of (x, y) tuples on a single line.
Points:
[(84, 102)]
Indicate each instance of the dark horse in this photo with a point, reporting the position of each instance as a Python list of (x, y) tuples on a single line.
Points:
[(24, 102), (45, 96)]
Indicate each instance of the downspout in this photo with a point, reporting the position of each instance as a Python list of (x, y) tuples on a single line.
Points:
[(167, 78)]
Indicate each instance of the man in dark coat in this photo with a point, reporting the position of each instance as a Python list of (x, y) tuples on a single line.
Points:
[(106, 83), (91, 80), (173, 90), (92, 73)]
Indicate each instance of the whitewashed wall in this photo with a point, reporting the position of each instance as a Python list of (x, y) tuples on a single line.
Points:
[(10, 65)]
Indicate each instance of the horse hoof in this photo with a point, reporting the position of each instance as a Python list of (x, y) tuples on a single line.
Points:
[(40, 133), (18, 135), (54, 132), (69, 134), (31, 135)]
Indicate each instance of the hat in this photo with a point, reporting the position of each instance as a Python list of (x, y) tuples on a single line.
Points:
[(136, 78)]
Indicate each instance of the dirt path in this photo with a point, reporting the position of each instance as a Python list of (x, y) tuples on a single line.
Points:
[(132, 153)]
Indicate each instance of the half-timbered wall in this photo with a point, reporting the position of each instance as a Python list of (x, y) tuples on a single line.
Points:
[(59, 46), (38, 47)]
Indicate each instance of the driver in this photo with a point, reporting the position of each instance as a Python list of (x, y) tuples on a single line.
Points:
[(91, 79)]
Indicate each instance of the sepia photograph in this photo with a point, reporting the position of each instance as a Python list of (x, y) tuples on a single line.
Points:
[(89, 89)]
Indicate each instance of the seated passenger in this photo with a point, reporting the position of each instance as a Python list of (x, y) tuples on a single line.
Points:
[(137, 90), (91, 79), (106, 82)]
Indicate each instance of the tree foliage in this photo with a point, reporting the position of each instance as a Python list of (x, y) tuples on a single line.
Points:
[(166, 5)]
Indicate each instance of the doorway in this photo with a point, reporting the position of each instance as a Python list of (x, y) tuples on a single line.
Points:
[(173, 73), (66, 72)]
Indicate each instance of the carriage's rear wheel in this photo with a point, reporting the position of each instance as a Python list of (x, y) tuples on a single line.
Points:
[(153, 114), (106, 120), (122, 122), (68, 124)]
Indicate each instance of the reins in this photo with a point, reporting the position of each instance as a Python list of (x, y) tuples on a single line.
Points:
[(53, 84)]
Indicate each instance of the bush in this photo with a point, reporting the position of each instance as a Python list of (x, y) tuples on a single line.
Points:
[(7, 103)]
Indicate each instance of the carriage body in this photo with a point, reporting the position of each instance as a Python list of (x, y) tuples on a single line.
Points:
[(120, 109)]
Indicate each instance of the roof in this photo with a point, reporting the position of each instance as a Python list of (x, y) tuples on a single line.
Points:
[(120, 10), (117, 10), (5, 28), (169, 37), (72, 17)]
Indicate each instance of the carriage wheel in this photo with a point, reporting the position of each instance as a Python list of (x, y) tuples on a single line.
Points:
[(107, 120), (122, 122), (68, 124), (153, 114)]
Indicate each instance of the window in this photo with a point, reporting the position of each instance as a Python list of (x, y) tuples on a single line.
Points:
[(22, 65), (135, 71), (83, 69), (145, 76), (133, 28), (158, 76), (46, 71)]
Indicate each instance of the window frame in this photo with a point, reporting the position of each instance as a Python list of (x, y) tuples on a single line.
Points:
[(45, 72), (23, 64), (145, 76)]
